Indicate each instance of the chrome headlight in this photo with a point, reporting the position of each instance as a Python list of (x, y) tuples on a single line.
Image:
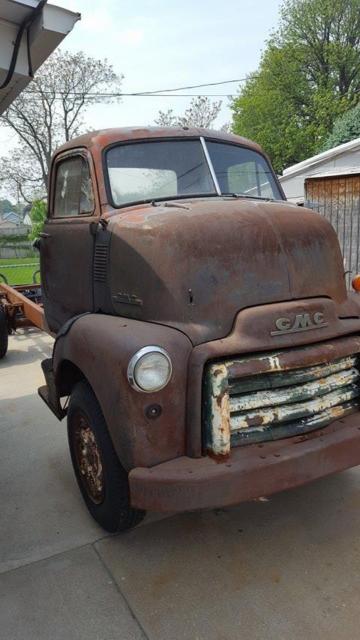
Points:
[(149, 369)]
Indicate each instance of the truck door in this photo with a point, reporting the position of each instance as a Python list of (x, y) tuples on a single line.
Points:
[(67, 244)]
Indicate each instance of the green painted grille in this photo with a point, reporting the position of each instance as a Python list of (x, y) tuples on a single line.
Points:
[(276, 404)]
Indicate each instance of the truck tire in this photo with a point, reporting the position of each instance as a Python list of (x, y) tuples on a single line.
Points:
[(102, 480), (4, 334)]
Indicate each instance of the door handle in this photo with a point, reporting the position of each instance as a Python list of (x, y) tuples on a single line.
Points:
[(37, 242)]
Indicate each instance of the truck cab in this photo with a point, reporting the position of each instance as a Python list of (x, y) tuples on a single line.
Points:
[(205, 339)]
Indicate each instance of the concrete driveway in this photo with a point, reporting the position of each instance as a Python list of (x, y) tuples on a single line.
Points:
[(287, 568)]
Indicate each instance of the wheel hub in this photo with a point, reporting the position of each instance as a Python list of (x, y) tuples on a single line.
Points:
[(89, 461)]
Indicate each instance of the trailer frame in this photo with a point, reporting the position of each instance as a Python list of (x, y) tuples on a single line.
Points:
[(21, 306)]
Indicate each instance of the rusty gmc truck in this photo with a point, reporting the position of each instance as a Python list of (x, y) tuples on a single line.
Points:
[(207, 351)]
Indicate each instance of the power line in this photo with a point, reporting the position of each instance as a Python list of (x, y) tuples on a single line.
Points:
[(194, 86), (60, 95), (174, 95), (177, 95), (145, 94)]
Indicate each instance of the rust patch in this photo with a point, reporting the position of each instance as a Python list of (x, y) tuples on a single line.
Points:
[(217, 372), (255, 421), (219, 458)]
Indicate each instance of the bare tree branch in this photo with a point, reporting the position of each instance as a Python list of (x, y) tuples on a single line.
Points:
[(51, 111), (201, 112)]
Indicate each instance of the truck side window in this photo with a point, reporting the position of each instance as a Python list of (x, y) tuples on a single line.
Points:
[(86, 192), (73, 189)]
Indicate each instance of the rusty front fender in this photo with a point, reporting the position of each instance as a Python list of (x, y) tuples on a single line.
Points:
[(99, 348)]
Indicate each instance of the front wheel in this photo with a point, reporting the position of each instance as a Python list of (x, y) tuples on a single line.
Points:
[(102, 480)]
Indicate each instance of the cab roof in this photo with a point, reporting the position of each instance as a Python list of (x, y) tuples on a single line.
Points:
[(105, 137)]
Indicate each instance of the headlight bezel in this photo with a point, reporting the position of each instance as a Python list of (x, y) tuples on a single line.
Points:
[(134, 362)]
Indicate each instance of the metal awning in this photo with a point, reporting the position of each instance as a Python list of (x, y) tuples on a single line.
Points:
[(46, 32)]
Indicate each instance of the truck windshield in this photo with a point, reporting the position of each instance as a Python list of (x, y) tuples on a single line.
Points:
[(242, 171), (165, 169)]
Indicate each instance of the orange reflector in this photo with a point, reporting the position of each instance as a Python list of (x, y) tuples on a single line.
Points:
[(356, 283)]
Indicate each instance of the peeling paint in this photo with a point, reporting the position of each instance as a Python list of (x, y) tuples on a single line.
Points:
[(295, 411), (274, 363), (291, 394), (278, 403), (219, 411)]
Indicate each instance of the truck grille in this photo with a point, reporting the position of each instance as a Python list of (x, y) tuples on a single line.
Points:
[(275, 404)]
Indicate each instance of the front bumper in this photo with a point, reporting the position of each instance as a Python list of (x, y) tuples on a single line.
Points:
[(185, 484)]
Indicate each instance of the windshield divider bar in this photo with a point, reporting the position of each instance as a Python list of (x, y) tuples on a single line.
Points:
[(210, 165)]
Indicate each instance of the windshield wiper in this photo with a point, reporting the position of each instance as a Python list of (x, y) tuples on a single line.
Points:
[(159, 203), (245, 195)]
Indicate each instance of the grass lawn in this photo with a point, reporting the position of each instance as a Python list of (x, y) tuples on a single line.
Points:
[(18, 270)]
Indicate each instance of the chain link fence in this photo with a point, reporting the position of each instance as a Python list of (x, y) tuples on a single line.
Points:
[(18, 274), (19, 262)]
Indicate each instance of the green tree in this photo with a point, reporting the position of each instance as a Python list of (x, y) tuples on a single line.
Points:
[(38, 216), (309, 74), (346, 128)]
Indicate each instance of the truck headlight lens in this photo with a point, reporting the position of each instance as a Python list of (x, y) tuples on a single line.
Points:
[(149, 369)]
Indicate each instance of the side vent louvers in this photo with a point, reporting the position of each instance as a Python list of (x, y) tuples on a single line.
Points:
[(100, 262)]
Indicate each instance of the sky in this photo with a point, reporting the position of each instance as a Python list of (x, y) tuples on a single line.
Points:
[(166, 44)]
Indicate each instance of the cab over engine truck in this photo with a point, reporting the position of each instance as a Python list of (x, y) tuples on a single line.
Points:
[(204, 335)]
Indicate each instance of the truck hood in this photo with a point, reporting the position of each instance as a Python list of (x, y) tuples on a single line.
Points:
[(195, 264)]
